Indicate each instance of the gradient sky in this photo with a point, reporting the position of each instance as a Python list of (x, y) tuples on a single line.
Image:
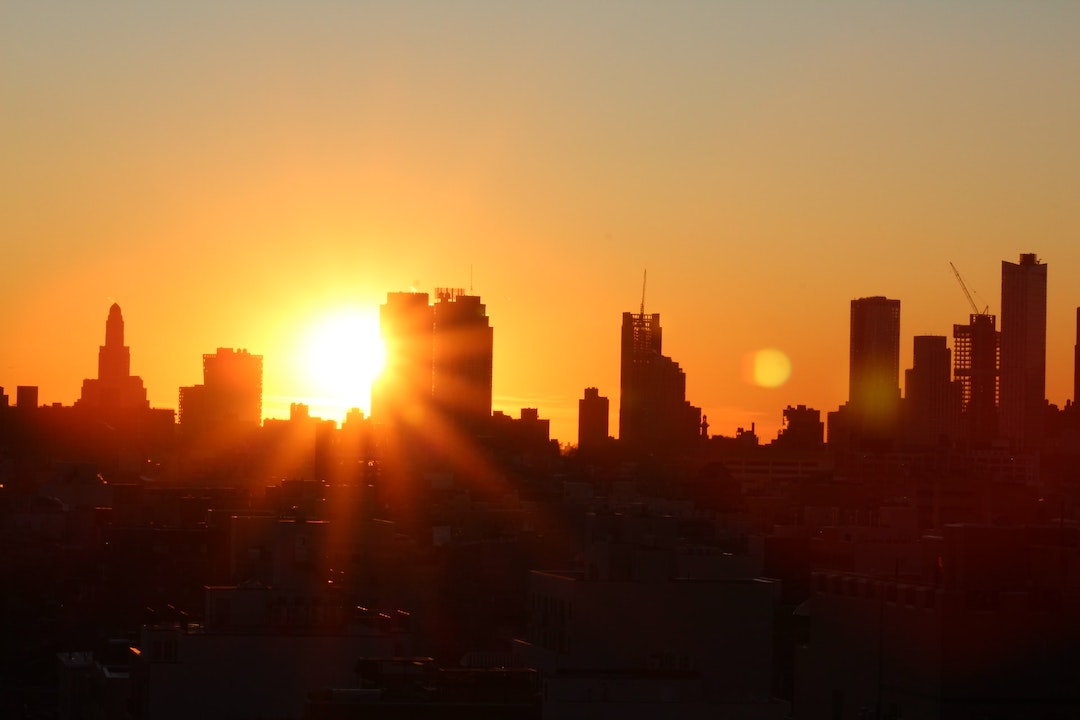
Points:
[(229, 172)]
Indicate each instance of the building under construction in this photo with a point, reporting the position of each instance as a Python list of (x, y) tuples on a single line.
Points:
[(976, 352), (654, 415)]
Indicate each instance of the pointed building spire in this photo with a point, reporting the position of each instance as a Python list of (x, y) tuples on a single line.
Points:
[(114, 358), (114, 327), (115, 390)]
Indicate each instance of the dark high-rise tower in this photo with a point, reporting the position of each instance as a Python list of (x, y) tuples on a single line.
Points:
[(461, 357), (874, 369), (1023, 351), (654, 416), (976, 349), (438, 357), (1076, 361)]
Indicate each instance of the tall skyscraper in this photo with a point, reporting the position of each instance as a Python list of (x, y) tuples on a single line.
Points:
[(874, 369), (1023, 351), (976, 361), (230, 396), (932, 399), (403, 391), (654, 416), (1076, 362), (115, 390), (463, 342)]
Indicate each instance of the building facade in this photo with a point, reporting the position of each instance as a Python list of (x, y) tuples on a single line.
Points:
[(231, 392), (402, 392), (593, 414), (220, 418), (1023, 351), (976, 363), (438, 361), (874, 369), (462, 351), (932, 400)]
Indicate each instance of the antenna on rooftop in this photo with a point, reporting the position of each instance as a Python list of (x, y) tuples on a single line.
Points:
[(644, 277)]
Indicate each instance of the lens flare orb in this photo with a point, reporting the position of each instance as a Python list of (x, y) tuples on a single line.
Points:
[(768, 368)]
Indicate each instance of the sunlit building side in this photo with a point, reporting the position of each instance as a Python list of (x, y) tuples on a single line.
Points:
[(403, 391)]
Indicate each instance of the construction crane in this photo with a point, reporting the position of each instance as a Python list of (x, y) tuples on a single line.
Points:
[(971, 301)]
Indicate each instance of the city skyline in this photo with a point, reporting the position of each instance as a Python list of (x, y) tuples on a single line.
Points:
[(410, 325), (231, 178), (381, 359)]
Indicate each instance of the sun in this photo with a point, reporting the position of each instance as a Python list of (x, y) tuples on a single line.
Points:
[(341, 354)]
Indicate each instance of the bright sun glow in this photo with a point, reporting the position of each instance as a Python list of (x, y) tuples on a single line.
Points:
[(342, 352)]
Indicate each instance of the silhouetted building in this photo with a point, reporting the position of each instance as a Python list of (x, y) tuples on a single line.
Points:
[(116, 426), (654, 416), (1076, 361), (115, 390), (1023, 351), (95, 684), (403, 391), (528, 435), (975, 365), (593, 414), (802, 429), (982, 627), (26, 397), (462, 357), (259, 653), (932, 400), (391, 688), (874, 370), (219, 420), (231, 393), (647, 601)]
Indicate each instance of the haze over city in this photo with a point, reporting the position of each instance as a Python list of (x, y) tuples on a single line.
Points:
[(233, 176)]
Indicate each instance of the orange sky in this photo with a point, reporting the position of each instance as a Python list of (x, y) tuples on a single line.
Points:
[(229, 175)]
